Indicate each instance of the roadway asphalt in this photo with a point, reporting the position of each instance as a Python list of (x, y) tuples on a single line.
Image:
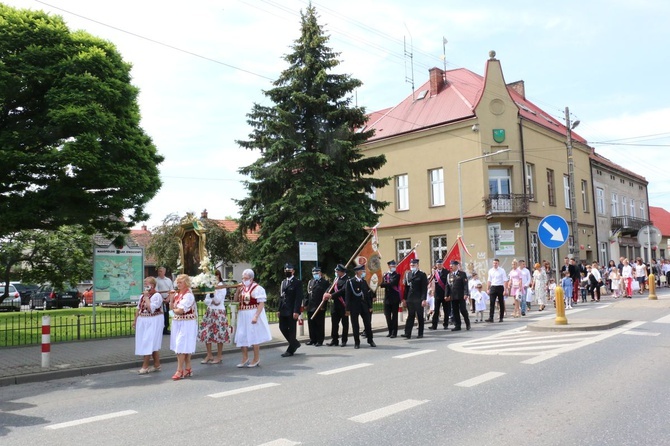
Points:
[(20, 365)]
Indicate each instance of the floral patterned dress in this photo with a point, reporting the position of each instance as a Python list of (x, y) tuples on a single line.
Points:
[(214, 325)]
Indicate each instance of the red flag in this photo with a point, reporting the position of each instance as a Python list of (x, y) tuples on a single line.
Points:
[(453, 254), (402, 268), (370, 257)]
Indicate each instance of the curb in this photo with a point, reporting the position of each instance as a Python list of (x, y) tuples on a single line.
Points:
[(578, 325)]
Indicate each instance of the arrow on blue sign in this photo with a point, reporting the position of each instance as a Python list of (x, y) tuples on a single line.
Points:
[(556, 233)]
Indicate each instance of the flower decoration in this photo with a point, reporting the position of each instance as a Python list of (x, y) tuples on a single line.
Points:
[(206, 280)]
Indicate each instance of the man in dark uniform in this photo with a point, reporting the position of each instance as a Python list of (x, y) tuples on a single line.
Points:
[(440, 275), (290, 299), (338, 311), (391, 285), (316, 288), (358, 299), (416, 295), (458, 290)]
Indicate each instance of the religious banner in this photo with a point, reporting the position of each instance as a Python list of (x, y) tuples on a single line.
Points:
[(370, 257)]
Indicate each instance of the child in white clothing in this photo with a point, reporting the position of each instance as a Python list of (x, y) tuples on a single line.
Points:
[(480, 297), (552, 290)]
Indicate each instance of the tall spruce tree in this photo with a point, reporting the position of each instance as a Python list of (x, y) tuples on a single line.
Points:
[(311, 181)]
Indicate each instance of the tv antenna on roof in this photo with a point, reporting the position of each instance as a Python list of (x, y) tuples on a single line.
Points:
[(409, 79)]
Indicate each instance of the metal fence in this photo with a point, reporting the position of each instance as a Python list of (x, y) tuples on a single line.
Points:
[(25, 328)]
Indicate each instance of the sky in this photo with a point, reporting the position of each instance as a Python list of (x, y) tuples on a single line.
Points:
[(201, 65)]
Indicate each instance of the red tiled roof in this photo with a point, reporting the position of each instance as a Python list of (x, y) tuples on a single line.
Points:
[(143, 237), (602, 160), (455, 102), (232, 225), (661, 219)]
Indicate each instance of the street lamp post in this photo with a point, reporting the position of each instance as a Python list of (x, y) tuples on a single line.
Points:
[(460, 184)]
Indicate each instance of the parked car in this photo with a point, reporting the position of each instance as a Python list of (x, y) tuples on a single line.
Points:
[(48, 297), (26, 290), (13, 301)]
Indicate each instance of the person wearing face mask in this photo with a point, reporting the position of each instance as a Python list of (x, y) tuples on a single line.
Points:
[(290, 299), (358, 300), (252, 323), (416, 295), (391, 285), (316, 288), (338, 312), (148, 325)]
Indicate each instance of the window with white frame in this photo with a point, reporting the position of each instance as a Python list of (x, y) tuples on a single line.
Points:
[(624, 205), (615, 204), (403, 247), (566, 191), (372, 196), (642, 212), (534, 248), (438, 247), (600, 200), (530, 180), (402, 192), (551, 189), (436, 178), (603, 253), (585, 196), (632, 207)]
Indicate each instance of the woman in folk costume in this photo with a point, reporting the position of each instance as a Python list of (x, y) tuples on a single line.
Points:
[(252, 323), (184, 326), (214, 325), (148, 326)]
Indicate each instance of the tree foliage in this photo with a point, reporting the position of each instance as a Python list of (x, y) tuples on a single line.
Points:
[(222, 246), (71, 146), (311, 181), (62, 256)]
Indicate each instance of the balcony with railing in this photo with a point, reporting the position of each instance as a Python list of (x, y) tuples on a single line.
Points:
[(627, 224), (513, 205)]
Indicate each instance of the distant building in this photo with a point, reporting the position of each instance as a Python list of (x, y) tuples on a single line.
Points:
[(661, 219)]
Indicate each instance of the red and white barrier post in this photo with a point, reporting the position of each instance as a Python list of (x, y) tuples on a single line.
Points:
[(46, 341)]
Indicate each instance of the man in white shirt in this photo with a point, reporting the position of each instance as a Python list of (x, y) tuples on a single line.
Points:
[(496, 284), (164, 285), (525, 282)]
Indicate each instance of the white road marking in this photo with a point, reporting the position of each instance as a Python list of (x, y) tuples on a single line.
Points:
[(108, 416), (387, 411), (479, 379), (640, 333), (663, 320), (538, 359), (345, 369), (409, 355), (242, 390), (280, 442)]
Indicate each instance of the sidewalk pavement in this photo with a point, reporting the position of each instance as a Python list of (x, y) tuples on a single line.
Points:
[(20, 365)]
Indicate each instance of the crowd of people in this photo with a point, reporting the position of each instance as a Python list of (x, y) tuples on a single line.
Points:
[(453, 294)]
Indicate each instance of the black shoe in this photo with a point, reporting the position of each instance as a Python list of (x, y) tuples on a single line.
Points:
[(418, 337), (500, 320), (467, 327), (388, 335), (286, 354), (310, 343), (357, 346), (372, 344), (445, 327), (404, 335), (333, 343), (297, 346), (432, 328), (393, 336), (523, 314), (456, 329), (344, 344), (318, 344), (489, 320)]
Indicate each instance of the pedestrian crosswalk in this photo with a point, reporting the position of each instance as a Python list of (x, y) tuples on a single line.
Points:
[(538, 345)]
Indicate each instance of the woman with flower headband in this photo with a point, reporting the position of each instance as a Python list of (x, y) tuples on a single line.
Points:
[(184, 325), (252, 324), (148, 325), (214, 325)]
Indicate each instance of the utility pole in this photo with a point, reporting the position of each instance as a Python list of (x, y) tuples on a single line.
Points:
[(574, 225)]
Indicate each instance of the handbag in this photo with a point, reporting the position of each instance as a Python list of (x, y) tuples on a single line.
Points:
[(635, 286)]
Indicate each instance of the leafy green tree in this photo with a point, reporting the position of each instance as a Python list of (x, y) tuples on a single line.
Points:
[(311, 181), (60, 257), (222, 246), (71, 146)]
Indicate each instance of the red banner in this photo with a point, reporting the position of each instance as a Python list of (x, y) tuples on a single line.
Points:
[(453, 254), (402, 268)]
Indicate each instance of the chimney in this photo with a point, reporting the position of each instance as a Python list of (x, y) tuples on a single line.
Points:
[(436, 80), (519, 87), (203, 214), (144, 227)]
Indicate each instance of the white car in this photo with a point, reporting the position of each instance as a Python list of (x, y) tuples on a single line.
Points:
[(11, 302)]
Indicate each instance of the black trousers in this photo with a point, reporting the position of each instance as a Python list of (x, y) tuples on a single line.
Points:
[(440, 302), (367, 326), (337, 317), (166, 317), (317, 326), (497, 292), (459, 308), (287, 326), (414, 311), (391, 313), (594, 288)]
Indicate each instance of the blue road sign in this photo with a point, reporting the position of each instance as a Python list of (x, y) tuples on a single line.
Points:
[(553, 231)]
